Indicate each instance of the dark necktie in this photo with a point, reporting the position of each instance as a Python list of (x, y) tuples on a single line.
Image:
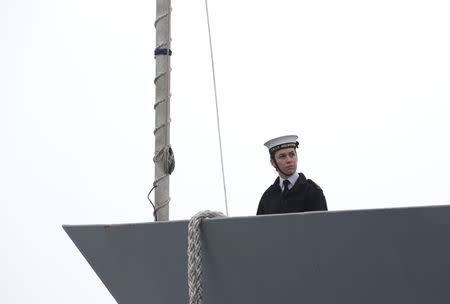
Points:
[(286, 186)]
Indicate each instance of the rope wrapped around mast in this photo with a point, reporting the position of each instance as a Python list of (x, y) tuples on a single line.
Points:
[(163, 157), (195, 255)]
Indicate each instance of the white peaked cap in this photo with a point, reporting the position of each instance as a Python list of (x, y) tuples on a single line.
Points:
[(282, 142)]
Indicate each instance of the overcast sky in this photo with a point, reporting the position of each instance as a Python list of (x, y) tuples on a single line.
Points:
[(365, 85)]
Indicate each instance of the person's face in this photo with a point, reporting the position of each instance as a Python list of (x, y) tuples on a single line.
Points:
[(287, 161)]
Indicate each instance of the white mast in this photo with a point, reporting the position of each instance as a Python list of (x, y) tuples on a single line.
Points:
[(163, 153)]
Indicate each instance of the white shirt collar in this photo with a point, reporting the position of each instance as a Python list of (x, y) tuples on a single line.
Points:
[(292, 179)]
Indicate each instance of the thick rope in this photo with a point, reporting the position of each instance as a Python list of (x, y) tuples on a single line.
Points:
[(195, 255)]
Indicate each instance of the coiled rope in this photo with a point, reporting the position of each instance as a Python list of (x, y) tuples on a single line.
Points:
[(194, 253)]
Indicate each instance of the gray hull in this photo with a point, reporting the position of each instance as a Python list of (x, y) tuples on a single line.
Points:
[(349, 257)]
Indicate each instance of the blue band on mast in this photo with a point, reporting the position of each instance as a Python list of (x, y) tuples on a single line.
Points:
[(163, 52)]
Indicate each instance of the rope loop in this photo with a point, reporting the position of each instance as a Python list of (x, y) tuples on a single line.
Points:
[(156, 208), (195, 255)]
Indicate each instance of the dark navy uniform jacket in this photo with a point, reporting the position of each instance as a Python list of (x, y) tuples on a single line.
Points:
[(304, 196)]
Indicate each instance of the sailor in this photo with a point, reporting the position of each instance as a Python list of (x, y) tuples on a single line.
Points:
[(291, 192)]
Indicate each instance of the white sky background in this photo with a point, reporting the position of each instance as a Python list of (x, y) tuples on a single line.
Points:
[(364, 84)]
